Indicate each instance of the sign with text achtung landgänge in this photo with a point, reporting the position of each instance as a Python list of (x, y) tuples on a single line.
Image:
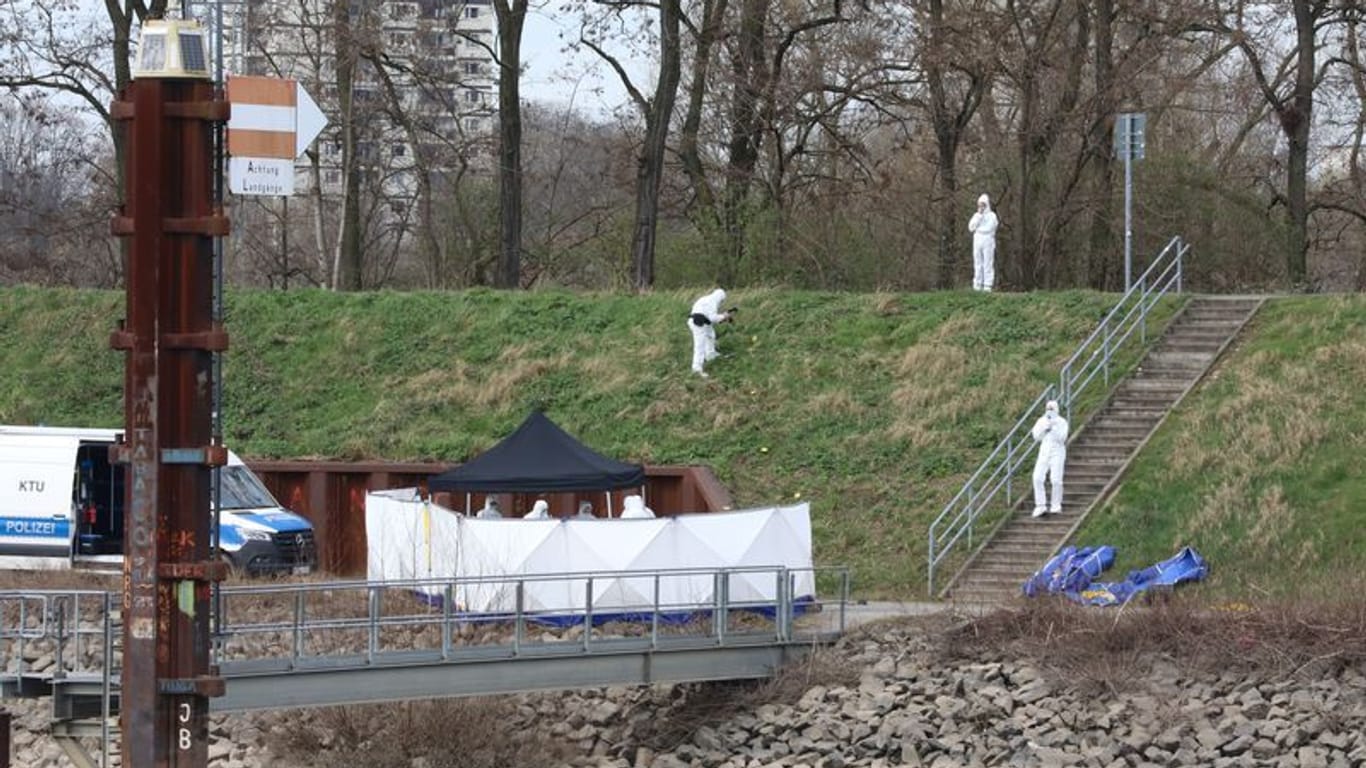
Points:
[(273, 121)]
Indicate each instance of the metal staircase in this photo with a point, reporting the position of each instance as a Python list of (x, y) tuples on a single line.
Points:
[(1103, 448)]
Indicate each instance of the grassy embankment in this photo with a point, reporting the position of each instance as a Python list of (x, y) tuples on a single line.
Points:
[(874, 407)]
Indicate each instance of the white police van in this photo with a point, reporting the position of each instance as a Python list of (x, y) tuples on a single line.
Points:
[(62, 506)]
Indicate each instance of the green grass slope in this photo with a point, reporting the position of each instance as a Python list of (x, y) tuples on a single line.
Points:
[(1263, 467), (874, 407)]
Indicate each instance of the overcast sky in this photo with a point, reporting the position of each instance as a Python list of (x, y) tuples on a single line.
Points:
[(567, 77)]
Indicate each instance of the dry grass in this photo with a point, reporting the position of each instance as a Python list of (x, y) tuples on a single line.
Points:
[(60, 580), (1114, 649), (930, 376), (451, 733)]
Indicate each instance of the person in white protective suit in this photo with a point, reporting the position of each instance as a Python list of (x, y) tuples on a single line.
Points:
[(539, 511), (633, 506), (983, 226), (490, 510), (1050, 432), (706, 313)]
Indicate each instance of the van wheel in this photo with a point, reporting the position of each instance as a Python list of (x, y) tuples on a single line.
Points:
[(234, 573)]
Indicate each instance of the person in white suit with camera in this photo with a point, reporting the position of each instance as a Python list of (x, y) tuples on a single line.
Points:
[(1050, 432), (983, 226), (706, 313)]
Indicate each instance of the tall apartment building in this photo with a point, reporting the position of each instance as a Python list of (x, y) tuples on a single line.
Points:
[(424, 85)]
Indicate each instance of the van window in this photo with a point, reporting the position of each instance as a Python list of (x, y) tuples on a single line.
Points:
[(243, 490)]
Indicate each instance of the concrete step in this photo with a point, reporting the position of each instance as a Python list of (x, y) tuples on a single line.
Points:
[(1145, 381), (1029, 554), (1219, 330), (1124, 420), (1156, 405), (1106, 423), (1205, 319), (1017, 551), (1225, 321), (994, 590), (1089, 462), (1168, 371), (1104, 444), (1080, 488), (1220, 303), (1117, 437), (1127, 416), (1055, 523), (1046, 539), (1184, 373), (1196, 335), (1040, 533), (1177, 357), (996, 580), (1148, 412), (1146, 396), (1153, 403), (1173, 364), (994, 583), (1087, 476), (1102, 452), (1192, 345)]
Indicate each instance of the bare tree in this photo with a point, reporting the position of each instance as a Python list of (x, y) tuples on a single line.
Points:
[(956, 74), (348, 266), (56, 189), (1287, 80), (657, 111), (57, 48), (578, 187), (511, 17)]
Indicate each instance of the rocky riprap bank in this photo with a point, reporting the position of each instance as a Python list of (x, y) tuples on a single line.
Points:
[(890, 695)]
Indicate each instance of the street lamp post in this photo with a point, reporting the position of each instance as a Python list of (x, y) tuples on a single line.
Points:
[(1129, 146)]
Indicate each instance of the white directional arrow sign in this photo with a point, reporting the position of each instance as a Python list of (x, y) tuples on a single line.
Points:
[(309, 121), (273, 121)]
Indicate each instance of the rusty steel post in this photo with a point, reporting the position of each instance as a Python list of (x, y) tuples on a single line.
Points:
[(4, 738), (168, 336)]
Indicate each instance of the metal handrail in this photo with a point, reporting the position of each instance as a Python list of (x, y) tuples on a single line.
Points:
[(304, 612), (294, 626), (1094, 357), (68, 625)]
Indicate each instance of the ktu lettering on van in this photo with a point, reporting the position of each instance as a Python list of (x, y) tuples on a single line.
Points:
[(32, 486)]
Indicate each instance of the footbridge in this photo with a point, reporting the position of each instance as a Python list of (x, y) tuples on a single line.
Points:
[(313, 644)]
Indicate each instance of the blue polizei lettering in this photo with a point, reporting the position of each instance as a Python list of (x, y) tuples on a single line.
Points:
[(28, 527)]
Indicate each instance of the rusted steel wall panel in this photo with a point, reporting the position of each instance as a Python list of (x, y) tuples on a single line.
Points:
[(331, 494)]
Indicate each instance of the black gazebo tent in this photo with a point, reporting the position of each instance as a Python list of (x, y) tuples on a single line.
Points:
[(539, 457)]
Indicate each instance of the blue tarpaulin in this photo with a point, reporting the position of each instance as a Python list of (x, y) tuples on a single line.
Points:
[(1073, 571)]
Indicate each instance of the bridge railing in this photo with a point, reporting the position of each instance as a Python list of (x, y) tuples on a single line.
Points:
[(992, 488), (56, 633), (359, 623), (279, 626)]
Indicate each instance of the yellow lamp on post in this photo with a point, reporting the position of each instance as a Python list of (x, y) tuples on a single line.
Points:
[(172, 48)]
